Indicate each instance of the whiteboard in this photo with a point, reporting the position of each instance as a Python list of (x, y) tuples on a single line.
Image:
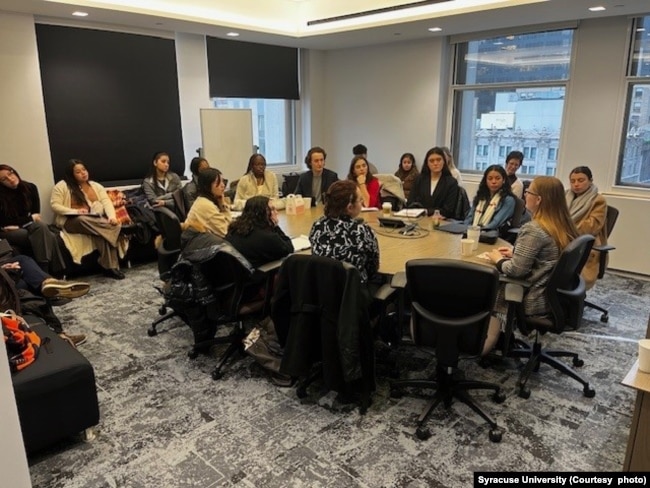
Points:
[(227, 138)]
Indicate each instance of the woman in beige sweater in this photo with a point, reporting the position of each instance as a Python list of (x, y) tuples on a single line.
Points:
[(86, 216), (209, 213)]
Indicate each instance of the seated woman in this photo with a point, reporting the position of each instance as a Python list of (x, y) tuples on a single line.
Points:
[(30, 277), (407, 171), (494, 203), (160, 183), (209, 216), (368, 185), (256, 235), (588, 210), (537, 249), (256, 181), (86, 216), (21, 224), (435, 188), (190, 189), (339, 236)]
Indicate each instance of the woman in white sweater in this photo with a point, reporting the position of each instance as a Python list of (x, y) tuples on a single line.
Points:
[(86, 217), (256, 181)]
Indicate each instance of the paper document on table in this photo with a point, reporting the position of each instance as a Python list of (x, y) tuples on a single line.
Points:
[(300, 243), (485, 256), (369, 209), (410, 212)]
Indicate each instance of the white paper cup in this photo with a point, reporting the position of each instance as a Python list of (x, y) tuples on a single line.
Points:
[(307, 202), (644, 355), (386, 208), (466, 247), (474, 233)]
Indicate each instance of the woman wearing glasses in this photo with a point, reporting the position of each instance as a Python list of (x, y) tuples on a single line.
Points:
[(536, 250), (256, 234), (21, 224)]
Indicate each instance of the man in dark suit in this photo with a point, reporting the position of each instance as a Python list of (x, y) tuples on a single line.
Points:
[(315, 182)]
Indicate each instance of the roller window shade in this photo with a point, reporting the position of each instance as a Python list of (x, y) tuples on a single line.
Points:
[(249, 70)]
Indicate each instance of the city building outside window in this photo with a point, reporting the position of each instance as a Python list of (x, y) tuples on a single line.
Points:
[(273, 126), (634, 162), (508, 94)]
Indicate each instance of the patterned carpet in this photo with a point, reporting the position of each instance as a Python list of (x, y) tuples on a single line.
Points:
[(166, 423)]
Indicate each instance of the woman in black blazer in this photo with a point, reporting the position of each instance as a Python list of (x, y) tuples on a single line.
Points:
[(435, 174)]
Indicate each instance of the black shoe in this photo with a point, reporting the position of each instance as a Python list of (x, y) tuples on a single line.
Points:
[(114, 273)]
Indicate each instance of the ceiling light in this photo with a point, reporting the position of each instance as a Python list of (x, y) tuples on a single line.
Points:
[(597, 9), (434, 29), (233, 34), (80, 14)]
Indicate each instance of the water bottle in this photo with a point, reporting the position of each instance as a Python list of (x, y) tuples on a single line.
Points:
[(436, 218)]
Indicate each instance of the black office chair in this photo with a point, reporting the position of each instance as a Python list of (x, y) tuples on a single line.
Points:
[(510, 230), (289, 183), (612, 216), (451, 305), (168, 251), (322, 321), (565, 293), (462, 204), (179, 204)]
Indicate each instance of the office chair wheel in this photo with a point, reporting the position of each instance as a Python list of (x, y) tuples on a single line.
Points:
[(578, 363), (162, 310), (524, 393), (301, 392), (499, 397), (217, 375), (152, 332), (193, 354), (396, 392), (589, 392), (422, 433), (496, 435), (604, 318)]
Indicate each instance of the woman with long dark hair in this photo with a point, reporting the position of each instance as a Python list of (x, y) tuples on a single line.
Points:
[(494, 202), (435, 188), (190, 189), (209, 213), (366, 182), (407, 172), (87, 218), (160, 184), (256, 234), (21, 224)]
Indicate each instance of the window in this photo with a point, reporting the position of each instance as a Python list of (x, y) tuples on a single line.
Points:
[(508, 92), (634, 162), (273, 126), (552, 154), (482, 150)]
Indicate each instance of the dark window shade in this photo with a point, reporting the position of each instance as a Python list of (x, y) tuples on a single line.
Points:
[(248, 70), (111, 100)]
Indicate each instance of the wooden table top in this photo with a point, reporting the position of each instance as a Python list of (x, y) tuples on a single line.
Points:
[(395, 249)]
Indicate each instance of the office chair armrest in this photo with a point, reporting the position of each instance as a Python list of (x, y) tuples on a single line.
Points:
[(514, 293), (602, 264), (605, 248), (384, 292), (514, 231), (515, 281), (446, 321), (272, 266), (398, 280)]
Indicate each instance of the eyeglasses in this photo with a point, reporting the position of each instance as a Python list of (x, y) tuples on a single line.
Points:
[(528, 192)]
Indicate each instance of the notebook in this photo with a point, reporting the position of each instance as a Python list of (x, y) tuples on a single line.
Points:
[(300, 243), (411, 212)]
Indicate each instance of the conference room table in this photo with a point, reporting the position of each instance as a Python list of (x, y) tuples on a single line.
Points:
[(395, 249)]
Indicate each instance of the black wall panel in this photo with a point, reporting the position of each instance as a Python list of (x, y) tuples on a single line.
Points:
[(111, 100)]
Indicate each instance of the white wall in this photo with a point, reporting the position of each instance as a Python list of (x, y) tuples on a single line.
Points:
[(386, 97), (24, 142), (193, 90), (389, 98)]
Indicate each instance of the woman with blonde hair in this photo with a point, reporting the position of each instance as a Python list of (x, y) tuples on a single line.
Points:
[(452, 166), (536, 250)]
